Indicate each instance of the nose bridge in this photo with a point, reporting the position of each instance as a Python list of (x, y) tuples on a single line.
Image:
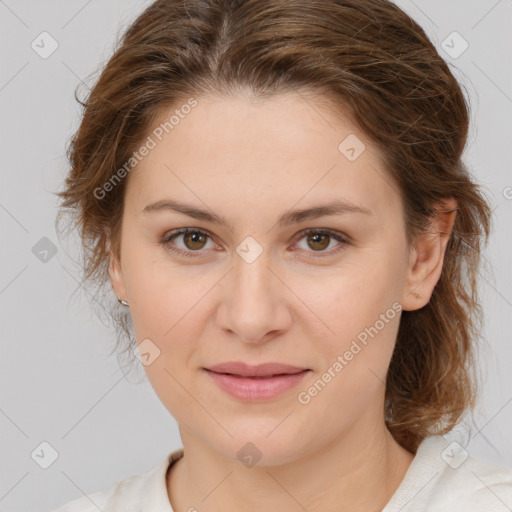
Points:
[(253, 281), (253, 305)]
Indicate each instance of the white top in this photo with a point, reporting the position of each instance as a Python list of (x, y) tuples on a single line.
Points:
[(441, 478)]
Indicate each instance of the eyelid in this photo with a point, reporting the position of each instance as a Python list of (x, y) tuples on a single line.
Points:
[(341, 238), (338, 236), (166, 239)]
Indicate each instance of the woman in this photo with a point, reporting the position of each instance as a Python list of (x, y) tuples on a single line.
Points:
[(275, 193)]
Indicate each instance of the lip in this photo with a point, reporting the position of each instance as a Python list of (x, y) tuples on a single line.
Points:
[(256, 383), (261, 370)]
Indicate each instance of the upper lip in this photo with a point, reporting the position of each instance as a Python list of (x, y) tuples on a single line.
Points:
[(260, 370)]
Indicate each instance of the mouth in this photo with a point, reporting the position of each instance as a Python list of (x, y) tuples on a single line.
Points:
[(254, 377), (256, 384), (265, 370)]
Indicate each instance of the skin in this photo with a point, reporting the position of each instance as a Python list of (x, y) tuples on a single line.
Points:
[(249, 162)]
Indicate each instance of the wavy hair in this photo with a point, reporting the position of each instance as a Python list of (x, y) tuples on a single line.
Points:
[(370, 59)]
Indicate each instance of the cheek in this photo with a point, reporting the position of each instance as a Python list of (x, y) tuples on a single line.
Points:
[(354, 360), (351, 297), (161, 293), (168, 309), (356, 314), (165, 310)]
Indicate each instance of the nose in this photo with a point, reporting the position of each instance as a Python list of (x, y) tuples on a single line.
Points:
[(254, 301)]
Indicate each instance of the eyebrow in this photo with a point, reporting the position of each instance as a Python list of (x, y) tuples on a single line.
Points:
[(337, 207)]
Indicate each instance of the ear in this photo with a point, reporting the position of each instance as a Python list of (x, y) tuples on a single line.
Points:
[(116, 274), (427, 256)]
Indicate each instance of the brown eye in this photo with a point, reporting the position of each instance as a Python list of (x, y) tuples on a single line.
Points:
[(194, 240), (319, 241)]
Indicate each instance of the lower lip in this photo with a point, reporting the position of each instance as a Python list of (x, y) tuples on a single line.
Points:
[(256, 390)]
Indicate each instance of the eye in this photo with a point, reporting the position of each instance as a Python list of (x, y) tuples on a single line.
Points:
[(193, 238), (196, 239), (320, 239)]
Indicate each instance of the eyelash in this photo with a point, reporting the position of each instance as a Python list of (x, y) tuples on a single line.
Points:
[(181, 252)]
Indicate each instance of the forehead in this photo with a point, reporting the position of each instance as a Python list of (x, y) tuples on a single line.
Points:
[(277, 151)]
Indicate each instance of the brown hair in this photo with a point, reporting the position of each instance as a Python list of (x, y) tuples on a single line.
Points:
[(368, 57)]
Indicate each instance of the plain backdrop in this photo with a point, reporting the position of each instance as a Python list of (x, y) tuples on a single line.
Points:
[(58, 383)]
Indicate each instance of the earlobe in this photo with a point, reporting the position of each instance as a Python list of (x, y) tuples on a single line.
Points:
[(116, 277), (427, 257)]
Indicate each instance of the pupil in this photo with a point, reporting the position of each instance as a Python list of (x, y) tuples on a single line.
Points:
[(194, 238), (321, 236)]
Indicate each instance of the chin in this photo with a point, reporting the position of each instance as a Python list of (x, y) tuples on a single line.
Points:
[(250, 446)]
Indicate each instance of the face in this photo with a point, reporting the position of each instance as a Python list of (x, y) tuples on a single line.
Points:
[(255, 286)]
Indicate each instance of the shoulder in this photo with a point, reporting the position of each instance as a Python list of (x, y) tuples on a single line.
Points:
[(444, 477), (143, 490), (470, 484)]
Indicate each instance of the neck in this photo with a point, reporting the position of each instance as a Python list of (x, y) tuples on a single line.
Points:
[(357, 472)]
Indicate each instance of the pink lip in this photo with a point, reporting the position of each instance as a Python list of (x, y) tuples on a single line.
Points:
[(256, 383), (261, 370)]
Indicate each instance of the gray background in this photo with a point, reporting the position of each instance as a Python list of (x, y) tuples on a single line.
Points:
[(58, 383)]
